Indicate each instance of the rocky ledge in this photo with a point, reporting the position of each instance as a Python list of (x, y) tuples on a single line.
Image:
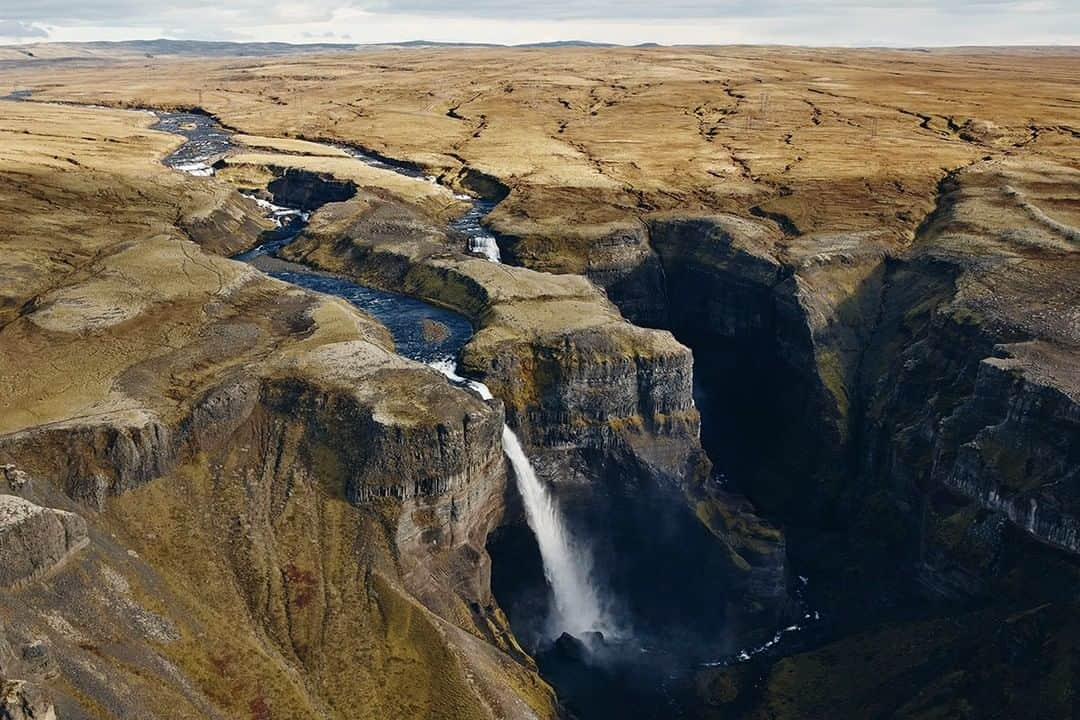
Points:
[(241, 471), (35, 540)]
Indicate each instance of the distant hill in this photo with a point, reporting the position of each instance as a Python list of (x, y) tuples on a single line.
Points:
[(434, 43), (567, 43), (129, 49), (132, 49)]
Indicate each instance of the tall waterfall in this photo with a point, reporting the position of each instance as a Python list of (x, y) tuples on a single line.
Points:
[(567, 566)]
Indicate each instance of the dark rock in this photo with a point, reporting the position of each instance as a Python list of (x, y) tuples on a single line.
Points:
[(308, 190), (16, 478), (20, 700), (34, 540)]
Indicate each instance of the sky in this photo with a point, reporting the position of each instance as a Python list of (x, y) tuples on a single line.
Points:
[(797, 22)]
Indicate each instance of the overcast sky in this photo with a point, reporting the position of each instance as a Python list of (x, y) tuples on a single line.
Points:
[(805, 22)]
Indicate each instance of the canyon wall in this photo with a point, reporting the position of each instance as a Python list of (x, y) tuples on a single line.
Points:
[(909, 396), (606, 407), (224, 496)]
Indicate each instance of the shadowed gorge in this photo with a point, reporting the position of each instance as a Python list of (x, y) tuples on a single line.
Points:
[(703, 383)]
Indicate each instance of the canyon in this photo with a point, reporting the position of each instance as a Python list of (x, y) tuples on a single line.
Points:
[(785, 343)]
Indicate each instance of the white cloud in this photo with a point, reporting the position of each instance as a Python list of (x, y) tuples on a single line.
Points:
[(19, 30), (824, 22)]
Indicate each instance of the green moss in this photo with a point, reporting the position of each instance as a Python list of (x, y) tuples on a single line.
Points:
[(423, 678), (1010, 461), (834, 374)]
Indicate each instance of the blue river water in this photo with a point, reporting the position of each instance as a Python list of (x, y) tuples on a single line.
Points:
[(421, 331)]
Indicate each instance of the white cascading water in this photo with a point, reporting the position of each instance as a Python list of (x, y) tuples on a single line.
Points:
[(567, 567), (485, 245)]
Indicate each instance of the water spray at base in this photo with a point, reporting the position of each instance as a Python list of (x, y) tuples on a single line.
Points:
[(567, 566)]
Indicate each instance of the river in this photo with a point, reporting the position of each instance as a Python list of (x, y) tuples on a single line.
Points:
[(208, 142)]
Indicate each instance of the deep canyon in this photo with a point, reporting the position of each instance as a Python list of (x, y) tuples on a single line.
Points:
[(488, 383)]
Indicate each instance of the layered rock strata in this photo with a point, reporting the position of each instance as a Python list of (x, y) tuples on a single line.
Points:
[(35, 540), (576, 378), (259, 474)]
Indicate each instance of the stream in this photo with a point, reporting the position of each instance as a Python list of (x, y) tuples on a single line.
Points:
[(208, 142)]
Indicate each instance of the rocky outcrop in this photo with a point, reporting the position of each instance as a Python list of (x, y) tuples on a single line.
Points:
[(619, 259), (1020, 460), (227, 226), (307, 190), (35, 540), (20, 700), (95, 460), (15, 477)]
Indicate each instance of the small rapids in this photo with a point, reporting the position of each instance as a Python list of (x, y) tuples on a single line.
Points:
[(207, 142), (480, 241)]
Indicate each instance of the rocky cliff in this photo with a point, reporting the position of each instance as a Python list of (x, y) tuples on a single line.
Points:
[(601, 401), (778, 331), (229, 497), (865, 376), (35, 540), (971, 375)]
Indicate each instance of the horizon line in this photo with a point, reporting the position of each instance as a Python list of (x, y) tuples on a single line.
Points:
[(567, 42)]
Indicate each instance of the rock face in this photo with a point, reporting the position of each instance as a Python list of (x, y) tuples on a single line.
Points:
[(226, 226), (20, 700), (605, 406), (587, 379), (1005, 412), (34, 540), (309, 191), (973, 375), (94, 461), (778, 334), (260, 474), (925, 402)]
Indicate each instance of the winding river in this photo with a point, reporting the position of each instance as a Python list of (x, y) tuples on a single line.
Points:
[(208, 142)]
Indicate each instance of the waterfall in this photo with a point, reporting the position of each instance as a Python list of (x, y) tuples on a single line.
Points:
[(567, 565), (485, 245)]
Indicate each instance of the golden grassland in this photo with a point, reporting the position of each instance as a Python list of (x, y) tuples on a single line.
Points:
[(832, 140)]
